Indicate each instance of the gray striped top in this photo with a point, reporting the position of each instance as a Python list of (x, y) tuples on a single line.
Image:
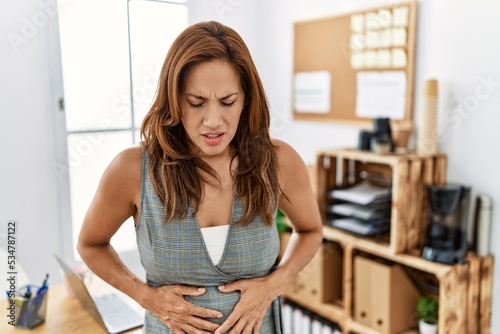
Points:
[(175, 253)]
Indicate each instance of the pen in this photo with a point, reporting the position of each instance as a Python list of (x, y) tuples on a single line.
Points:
[(44, 285), (27, 294), (24, 311)]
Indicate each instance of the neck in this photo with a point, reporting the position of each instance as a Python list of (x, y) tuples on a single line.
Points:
[(221, 161), (224, 167)]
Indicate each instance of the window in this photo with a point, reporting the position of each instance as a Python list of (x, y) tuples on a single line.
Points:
[(112, 52)]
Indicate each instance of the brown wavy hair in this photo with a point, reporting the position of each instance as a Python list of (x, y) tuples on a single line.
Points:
[(176, 173)]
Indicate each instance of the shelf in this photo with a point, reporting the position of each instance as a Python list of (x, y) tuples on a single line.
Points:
[(365, 156), (349, 240), (356, 327), (331, 312), (463, 290)]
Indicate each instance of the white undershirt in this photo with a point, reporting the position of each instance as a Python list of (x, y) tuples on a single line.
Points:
[(215, 240)]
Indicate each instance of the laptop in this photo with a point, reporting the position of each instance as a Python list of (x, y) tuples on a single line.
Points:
[(109, 309)]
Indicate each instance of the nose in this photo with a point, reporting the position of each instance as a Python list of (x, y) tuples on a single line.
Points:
[(213, 116)]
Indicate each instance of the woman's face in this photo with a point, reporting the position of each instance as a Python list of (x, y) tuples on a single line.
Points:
[(211, 104)]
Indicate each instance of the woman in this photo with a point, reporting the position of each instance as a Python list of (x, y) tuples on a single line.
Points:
[(203, 189)]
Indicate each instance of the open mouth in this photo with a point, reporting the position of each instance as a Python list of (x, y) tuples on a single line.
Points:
[(213, 136)]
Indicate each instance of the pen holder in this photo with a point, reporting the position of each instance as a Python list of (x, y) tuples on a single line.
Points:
[(28, 312)]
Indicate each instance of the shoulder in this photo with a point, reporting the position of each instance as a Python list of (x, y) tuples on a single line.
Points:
[(285, 153), (127, 161), (125, 168), (291, 167), (121, 181)]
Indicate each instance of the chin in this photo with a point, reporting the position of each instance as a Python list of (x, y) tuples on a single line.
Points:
[(213, 151)]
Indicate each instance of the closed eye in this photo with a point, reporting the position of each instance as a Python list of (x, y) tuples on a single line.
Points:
[(227, 105), (199, 105)]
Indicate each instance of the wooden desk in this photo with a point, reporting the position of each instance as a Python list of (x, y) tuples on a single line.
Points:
[(64, 316)]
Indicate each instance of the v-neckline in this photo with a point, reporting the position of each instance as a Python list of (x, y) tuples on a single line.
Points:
[(229, 234)]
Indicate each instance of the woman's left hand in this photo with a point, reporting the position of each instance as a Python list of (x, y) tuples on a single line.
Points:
[(256, 295)]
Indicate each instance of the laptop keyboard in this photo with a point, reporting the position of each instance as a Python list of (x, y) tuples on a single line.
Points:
[(115, 311)]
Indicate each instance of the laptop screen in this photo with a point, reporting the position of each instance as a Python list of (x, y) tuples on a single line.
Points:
[(81, 292)]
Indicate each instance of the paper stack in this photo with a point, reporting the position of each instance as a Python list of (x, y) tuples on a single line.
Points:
[(363, 209)]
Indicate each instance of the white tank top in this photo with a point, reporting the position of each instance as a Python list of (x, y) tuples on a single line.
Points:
[(215, 240)]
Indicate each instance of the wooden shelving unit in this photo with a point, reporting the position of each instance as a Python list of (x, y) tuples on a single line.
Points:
[(409, 173), (463, 290)]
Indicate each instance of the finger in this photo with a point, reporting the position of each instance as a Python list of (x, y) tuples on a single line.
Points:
[(185, 307), (249, 330), (191, 329), (229, 323), (257, 327), (188, 290), (203, 312), (192, 325), (196, 310), (175, 329), (202, 324), (238, 328), (235, 286), (188, 309)]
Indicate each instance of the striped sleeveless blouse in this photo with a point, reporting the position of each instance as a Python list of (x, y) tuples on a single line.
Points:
[(175, 253)]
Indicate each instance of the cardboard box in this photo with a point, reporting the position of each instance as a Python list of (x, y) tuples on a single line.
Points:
[(384, 296), (321, 279)]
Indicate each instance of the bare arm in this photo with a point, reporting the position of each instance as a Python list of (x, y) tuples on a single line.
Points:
[(113, 203), (118, 198), (302, 210)]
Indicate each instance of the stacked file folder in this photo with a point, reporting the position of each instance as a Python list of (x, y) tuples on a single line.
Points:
[(364, 208)]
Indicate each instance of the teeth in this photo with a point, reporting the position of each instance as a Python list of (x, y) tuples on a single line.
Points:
[(212, 136)]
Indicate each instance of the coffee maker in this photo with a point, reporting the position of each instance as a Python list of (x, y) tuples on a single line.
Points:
[(446, 237)]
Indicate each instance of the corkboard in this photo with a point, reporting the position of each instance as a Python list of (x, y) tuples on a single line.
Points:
[(325, 45)]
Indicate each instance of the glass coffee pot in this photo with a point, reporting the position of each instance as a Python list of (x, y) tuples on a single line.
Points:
[(446, 237)]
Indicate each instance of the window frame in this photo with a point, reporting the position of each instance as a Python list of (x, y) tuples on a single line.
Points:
[(61, 134)]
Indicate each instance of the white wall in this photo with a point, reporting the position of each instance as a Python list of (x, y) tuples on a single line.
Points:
[(238, 14), (28, 185), (456, 43)]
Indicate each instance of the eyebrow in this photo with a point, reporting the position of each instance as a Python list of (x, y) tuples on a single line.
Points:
[(199, 97)]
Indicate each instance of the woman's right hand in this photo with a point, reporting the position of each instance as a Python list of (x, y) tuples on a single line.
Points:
[(169, 305)]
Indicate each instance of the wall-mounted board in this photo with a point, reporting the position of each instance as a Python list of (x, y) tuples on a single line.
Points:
[(353, 67)]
